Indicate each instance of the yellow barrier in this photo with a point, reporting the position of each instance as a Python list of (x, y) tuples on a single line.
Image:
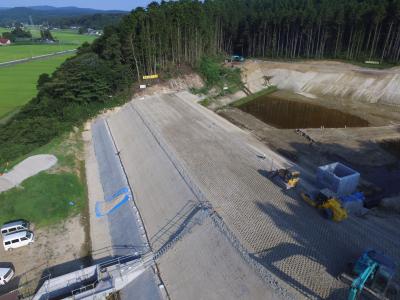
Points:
[(150, 76)]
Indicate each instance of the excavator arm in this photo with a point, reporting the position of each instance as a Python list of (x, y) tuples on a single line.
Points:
[(359, 283)]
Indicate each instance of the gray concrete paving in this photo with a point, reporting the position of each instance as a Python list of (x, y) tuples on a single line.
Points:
[(204, 265), (163, 199), (143, 288), (123, 225), (101, 244), (196, 261), (126, 231), (285, 235), (25, 169)]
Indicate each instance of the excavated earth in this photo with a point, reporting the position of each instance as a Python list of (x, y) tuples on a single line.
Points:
[(338, 86)]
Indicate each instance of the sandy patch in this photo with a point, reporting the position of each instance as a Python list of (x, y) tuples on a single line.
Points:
[(57, 250)]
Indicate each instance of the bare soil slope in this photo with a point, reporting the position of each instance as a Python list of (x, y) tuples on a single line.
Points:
[(327, 78)]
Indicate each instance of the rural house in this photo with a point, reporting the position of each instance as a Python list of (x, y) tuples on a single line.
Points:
[(4, 42)]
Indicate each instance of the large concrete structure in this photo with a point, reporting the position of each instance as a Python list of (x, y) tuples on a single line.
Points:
[(216, 225), (288, 238)]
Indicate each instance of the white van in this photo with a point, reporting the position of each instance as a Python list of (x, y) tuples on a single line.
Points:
[(15, 226), (5, 275), (18, 239)]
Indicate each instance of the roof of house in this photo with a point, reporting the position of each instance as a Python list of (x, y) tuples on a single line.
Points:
[(4, 41)]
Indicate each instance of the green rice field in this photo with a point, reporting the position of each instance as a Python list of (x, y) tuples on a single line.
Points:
[(14, 52), (18, 82), (68, 40)]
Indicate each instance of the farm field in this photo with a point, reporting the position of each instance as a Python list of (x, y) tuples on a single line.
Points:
[(15, 52), (66, 36), (68, 40), (18, 82)]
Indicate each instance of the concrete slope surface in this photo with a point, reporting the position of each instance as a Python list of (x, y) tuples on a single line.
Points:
[(289, 238), (196, 260), (25, 169), (124, 224), (327, 78)]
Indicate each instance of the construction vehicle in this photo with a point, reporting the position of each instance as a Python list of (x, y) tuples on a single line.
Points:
[(289, 178), (372, 274), (325, 201), (237, 58)]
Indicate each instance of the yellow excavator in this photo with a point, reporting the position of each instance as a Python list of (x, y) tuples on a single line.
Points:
[(325, 201), (290, 178)]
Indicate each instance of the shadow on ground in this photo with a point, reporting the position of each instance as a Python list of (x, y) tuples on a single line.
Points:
[(325, 245)]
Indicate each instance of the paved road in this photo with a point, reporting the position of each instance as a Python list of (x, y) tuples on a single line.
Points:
[(127, 235)]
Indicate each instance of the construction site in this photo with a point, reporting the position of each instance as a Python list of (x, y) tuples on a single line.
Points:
[(207, 180), (270, 199), (221, 218)]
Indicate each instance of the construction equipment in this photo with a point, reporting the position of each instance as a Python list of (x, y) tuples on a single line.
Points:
[(372, 273), (290, 178), (237, 58), (326, 202)]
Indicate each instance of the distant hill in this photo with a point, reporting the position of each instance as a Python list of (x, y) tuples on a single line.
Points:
[(49, 14)]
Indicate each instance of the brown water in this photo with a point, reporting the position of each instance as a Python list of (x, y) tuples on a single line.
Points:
[(288, 114)]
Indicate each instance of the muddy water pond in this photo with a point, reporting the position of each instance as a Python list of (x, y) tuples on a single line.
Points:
[(289, 114)]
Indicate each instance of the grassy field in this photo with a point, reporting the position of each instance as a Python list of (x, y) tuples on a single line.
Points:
[(18, 82), (14, 52), (44, 199), (68, 40), (49, 197), (66, 36)]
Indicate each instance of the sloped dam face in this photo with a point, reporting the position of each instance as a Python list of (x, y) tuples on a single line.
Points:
[(289, 114)]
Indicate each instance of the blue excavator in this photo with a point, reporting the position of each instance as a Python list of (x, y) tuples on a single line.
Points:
[(372, 274)]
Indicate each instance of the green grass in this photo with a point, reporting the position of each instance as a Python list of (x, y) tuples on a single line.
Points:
[(216, 75), (68, 40), (66, 36), (14, 52), (71, 36), (206, 102), (44, 199), (244, 100), (18, 82)]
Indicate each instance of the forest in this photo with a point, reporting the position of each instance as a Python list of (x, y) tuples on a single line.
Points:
[(164, 36), (183, 31)]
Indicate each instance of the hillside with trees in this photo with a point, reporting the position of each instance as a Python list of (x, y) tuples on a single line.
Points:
[(163, 36), (56, 16)]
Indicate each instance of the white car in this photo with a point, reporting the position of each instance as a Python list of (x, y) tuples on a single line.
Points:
[(18, 239), (5, 275), (15, 226)]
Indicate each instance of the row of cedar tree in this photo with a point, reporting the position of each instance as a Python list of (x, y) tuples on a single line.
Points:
[(165, 35)]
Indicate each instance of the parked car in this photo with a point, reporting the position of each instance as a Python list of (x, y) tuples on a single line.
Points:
[(5, 275), (18, 239), (14, 226)]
